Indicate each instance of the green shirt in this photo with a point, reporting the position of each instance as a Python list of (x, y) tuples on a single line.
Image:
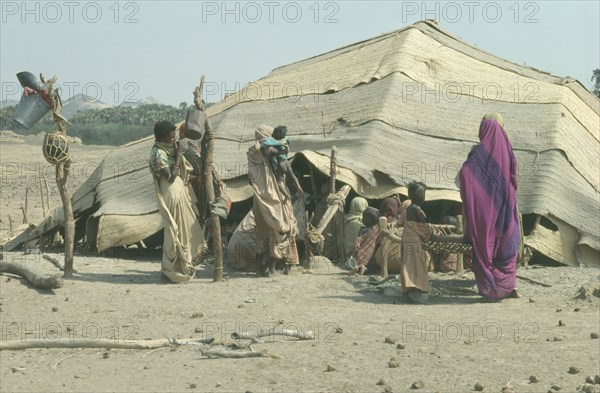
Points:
[(160, 160)]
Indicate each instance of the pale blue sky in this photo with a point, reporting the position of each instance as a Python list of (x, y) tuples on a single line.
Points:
[(167, 45)]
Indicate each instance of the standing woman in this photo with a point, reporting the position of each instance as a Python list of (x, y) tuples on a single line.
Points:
[(275, 229), (183, 235), (488, 189)]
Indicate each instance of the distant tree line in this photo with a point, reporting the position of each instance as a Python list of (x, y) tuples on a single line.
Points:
[(596, 82), (110, 126)]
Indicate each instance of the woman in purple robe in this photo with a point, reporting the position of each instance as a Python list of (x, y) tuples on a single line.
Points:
[(488, 189)]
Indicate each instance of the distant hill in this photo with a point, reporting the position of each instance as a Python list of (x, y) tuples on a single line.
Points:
[(81, 102), (7, 103), (142, 102)]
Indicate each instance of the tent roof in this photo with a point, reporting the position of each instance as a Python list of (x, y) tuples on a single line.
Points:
[(402, 106)]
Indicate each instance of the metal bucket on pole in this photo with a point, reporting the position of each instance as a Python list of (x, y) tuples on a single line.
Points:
[(30, 110), (32, 106), (27, 79)]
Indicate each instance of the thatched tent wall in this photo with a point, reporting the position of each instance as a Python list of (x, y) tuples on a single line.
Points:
[(402, 106)]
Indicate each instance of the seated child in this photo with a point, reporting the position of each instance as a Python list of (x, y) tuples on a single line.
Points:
[(365, 244), (414, 273), (276, 148)]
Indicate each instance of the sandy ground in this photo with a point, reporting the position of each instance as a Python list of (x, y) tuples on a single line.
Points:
[(449, 345), (22, 166)]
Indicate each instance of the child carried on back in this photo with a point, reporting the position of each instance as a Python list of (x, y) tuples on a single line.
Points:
[(276, 148)]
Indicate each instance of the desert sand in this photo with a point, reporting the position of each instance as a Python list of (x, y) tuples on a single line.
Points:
[(362, 336)]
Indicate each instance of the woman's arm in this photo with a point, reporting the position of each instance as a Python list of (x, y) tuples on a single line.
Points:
[(175, 171)]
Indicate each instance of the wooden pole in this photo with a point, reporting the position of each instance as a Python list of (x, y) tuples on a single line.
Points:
[(47, 194), (42, 198), (383, 226), (62, 174), (313, 185), (330, 213), (307, 252), (10, 224), (26, 208), (340, 233), (207, 165), (461, 257), (25, 219), (332, 169), (538, 218), (338, 229)]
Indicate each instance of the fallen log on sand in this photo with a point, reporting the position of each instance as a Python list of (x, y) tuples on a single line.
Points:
[(38, 280), (100, 343), (226, 353), (277, 331), (204, 346)]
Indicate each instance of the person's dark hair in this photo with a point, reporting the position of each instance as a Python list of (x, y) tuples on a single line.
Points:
[(416, 192), (279, 132), (162, 129), (370, 216)]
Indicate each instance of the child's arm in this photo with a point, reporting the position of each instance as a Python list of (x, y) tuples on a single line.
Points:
[(421, 217)]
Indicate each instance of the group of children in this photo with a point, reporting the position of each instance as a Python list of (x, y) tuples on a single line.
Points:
[(410, 229), (415, 264)]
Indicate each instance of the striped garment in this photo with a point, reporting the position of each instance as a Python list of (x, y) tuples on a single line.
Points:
[(192, 154)]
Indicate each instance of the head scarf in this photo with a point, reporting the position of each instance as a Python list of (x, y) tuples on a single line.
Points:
[(254, 154), (262, 132), (494, 116), (353, 222), (389, 208), (357, 207), (488, 189)]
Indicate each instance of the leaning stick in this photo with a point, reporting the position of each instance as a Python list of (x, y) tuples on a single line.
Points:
[(461, 257), (277, 331), (332, 209), (47, 193), (313, 184), (62, 170), (307, 252), (99, 343), (56, 262), (26, 208), (207, 166), (25, 219), (383, 223)]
